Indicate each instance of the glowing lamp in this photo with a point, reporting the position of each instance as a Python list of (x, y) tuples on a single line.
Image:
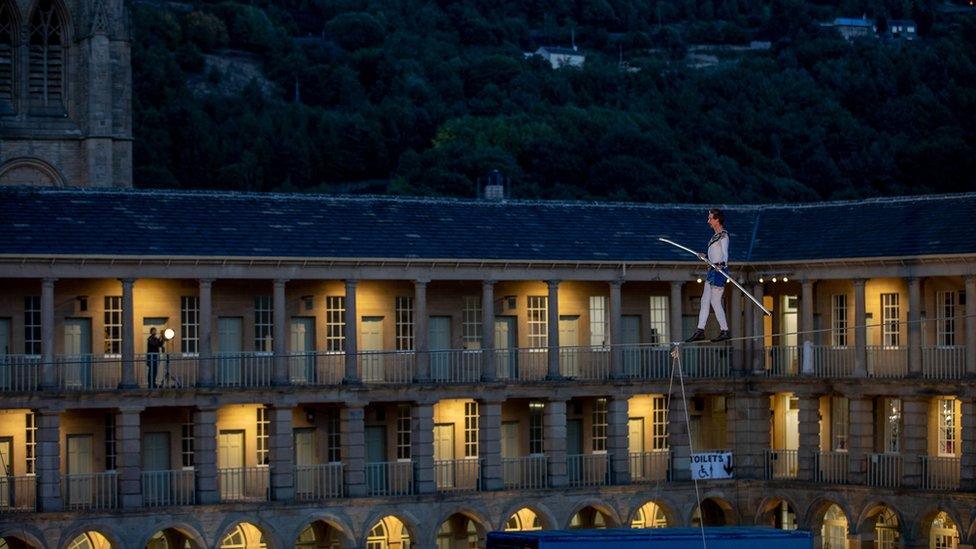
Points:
[(169, 334)]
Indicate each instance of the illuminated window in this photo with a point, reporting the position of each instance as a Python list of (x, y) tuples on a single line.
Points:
[(538, 321), (234, 540), (946, 325), (377, 537), (838, 320), (403, 431), (536, 434), (659, 423), (600, 425), (471, 429), (943, 534), (110, 446), (187, 441), (404, 323), (891, 408), (333, 436), (834, 531), (263, 432), (840, 419), (660, 332), (649, 515), (471, 322), (886, 535), (890, 333), (263, 324), (598, 321), (189, 324), (335, 323), (32, 325), (30, 446), (947, 426), (113, 324)]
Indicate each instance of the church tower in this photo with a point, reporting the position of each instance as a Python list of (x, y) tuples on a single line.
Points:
[(65, 93)]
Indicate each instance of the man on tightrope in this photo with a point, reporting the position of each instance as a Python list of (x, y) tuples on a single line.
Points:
[(718, 254)]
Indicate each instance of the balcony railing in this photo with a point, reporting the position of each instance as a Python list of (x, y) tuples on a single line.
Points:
[(168, 488), (455, 366), (650, 466), (592, 363), (18, 494), (707, 361), (887, 361), (645, 361), (832, 467), (782, 361), (19, 373), (781, 464), (940, 473), (833, 361), (392, 367), (169, 370), (944, 362), (526, 473), (588, 469), (316, 368), (318, 482), (88, 372), (458, 475), (91, 491), (244, 483), (522, 364), (244, 369), (885, 470), (389, 478)]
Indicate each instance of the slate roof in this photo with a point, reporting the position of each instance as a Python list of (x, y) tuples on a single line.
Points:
[(852, 22), (172, 223)]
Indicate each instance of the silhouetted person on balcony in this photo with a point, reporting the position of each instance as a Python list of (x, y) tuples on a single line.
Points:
[(154, 346)]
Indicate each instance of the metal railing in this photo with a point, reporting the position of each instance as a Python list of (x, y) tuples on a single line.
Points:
[(318, 482), (885, 470), (90, 491), (393, 367), (18, 494), (831, 467), (829, 361), (458, 475), (525, 473), (650, 466), (168, 488), (522, 364), (782, 361), (244, 483), (389, 478), (244, 369), (88, 372), (781, 464), (944, 362), (169, 370), (455, 365), (940, 473), (20, 373), (588, 469), (316, 368), (890, 362), (705, 361), (592, 363), (645, 361)]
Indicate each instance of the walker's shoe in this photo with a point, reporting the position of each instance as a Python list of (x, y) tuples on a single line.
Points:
[(699, 335), (722, 336)]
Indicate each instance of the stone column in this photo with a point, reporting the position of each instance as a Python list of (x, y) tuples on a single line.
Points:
[(860, 437), (735, 328), (488, 370), (675, 305), (422, 447), (420, 333), (490, 444), (553, 325), (679, 439), (748, 426), (280, 336), (281, 453), (971, 326), (618, 446), (809, 439), (915, 417), (352, 426), (205, 455), (206, 334), (351, 329), (554, 441), (129, 457), (128, 336), (968, 461), (914, 327), (48, 460), (759, 331), (616, 330), (860, 331), (808, 338), (49, 372)]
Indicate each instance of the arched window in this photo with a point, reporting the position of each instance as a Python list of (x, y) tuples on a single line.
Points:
[(47, 60), (8, 37)]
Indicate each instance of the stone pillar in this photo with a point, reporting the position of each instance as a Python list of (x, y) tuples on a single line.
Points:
[(553, 325), (352, 426), (747, 346), (860, 330), (422, 447), (281, 453), (735, 328), (915, 418), (971, 326), (616, 331), (205, 455), (759, 333), (675, 305), (280, 336), (679, 440), (420, 333), (488, 370), (808, 339), (129, 457), (554, 441), (967, 474), (206, 334), (809, 439), (854, 541), (352, 329), (914, 327), (618, 446), (49, 372), (747, 423), (128, 336), (48, 460), (490, 444), (860, 437)]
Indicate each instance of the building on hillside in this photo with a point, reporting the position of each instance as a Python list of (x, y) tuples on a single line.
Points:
[(560, 57), (902, 28), (388, 372), (852, 28)]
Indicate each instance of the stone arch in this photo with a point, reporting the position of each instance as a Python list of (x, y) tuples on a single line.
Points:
[(27, 171), (268, 534), (188, 531), (28, 534), (923, 525), (865, 522), (612, 517), (711, 504), (770, 505), (329, 519), (665, 506), (481, 523), (409, 522), (62, 10), (83, 527), (813, 519), (546, 516)]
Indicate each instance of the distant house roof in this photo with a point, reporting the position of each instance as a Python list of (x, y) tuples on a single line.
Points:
[(174, 223), (555, 50), (852, 22), (901, 23)]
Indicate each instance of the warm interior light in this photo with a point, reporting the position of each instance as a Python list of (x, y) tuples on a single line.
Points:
[(786, 279), (698, 280), (761, 281), (169, 334), (774, 279)]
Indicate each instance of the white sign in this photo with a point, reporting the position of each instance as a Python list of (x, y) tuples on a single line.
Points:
[(712, 465)]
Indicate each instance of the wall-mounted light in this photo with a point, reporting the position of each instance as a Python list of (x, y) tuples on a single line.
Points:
[(169, 334), (774, 279), (762, 280), (698, 280), (786, 279)]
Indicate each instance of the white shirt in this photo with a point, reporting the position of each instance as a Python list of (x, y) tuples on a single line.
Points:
[(718, 248)]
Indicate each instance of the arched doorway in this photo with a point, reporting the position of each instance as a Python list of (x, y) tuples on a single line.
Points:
[(834, 529), (460, 531), (713, 512), (11, 542), (879, 524), (589, 518), (89, 540), (170, 538), (243, 535), (388, 533), (777, 513), (523, 520), (649, 515), (321, 535), (944, 532)]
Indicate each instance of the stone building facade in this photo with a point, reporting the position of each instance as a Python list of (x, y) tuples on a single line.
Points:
[(65, 93)]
